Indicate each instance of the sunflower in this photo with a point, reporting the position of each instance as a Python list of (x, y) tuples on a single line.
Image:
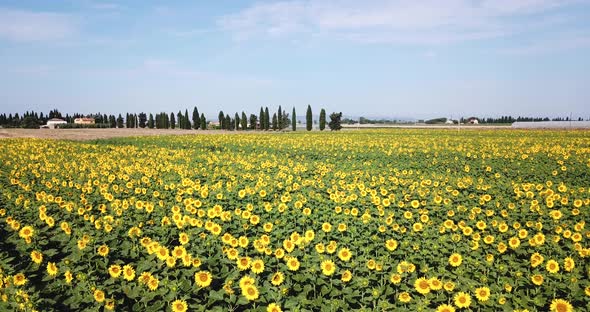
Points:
[(449, 286), (109, 304), (537, 279), (246, 281), (391, 244), (514, 242), (293, 264), (128, 272), (103, 250), (422, 285), (536, 259), (435, 283), (36, 256), (178, 252), (344, 254), (552, 266), (395, 278), (455, 260), (144, 277), (277, 278), (445, 308), (243, 263), (346, 276), (482, 294), (560, 305), (404, 297), (250, 292), (99, 295), (162, 253), (462, 300), (115, 270), (19, 279), (52, 269), (587, 291), (257, 266), (328, 267), (203, 278), (569, 264), (26, 232), (273, 307), (68, 276), (153, 283), (179, 306)]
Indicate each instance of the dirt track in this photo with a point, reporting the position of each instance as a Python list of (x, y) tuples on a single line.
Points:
[(91, 134)]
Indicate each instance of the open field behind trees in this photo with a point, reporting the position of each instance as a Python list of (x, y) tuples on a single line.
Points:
[(384, 220)]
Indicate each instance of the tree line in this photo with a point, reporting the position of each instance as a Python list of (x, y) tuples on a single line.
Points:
[(279, 120)]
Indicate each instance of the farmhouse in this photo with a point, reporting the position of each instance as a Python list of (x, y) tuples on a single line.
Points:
[(84, 121), (473, 121), (53, 122)]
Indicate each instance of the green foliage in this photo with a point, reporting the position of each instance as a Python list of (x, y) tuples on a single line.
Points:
[(322, 119), (293, 121), (308, 118), (335, 121)]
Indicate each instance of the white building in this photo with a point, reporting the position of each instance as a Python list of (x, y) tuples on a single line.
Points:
[(53, 122)]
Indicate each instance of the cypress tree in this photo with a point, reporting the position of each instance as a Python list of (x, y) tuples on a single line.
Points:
[(294, 120), (253, 121), (274, 121), (151, 121), (172, 121), (237, 122), (280, 118), (266, 119), (308, 118), (322, 119), (196, 119), (120, 121), (187, 122), (261, 118), (221, 117), (227, 122), (203, 122), (244, 121), (180, 120)]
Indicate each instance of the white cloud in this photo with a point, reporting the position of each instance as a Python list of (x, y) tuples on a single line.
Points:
[(396, 21), (19, 25)]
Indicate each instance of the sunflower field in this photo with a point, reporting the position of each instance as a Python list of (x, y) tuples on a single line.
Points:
[(376, 220)]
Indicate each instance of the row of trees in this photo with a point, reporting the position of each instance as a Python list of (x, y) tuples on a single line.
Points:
[(280, 120)]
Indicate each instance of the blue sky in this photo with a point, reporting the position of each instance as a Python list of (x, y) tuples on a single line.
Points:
[(404, 59)]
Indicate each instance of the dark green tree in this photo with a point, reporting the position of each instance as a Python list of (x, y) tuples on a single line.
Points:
[(150, 123), (186, 122), (280, 118), (253, 121), (227, 122), (275, 124), (203, 122), (266, 119), (334, 123), (322, 119), (308, 118), (244, 121), (237, 122), (196, 119), (113, 121), (293, 120), (221, 117), (172, 121), (120, 121), (180, 120), (261, 118), (142, 119)]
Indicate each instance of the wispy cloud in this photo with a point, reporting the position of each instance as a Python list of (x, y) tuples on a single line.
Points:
[(20, 25), (396, 21)]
